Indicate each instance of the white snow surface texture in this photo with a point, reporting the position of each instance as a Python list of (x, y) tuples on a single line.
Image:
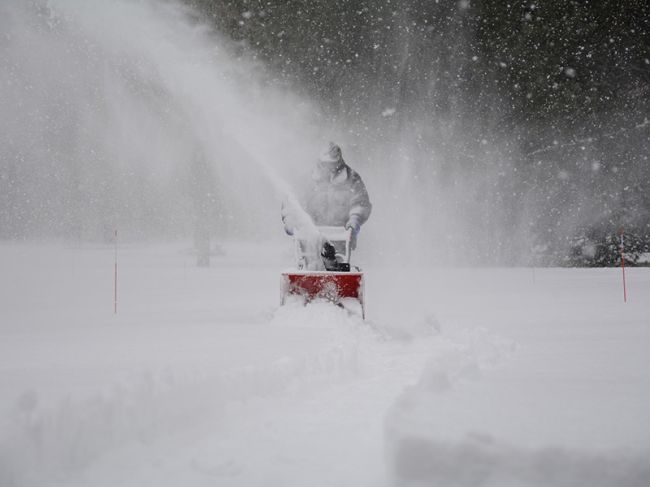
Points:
[(459, 377)]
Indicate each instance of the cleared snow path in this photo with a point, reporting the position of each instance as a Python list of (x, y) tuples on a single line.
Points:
[(311, 420)]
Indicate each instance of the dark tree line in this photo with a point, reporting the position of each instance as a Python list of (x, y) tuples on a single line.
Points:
[(551, 64)]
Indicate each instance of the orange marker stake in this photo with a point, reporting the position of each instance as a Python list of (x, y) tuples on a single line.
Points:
[(115, 278)]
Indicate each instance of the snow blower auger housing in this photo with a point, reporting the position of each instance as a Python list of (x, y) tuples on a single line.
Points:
[(333, 278)]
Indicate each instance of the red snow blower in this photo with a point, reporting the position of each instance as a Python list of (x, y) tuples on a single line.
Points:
[(324, 271)]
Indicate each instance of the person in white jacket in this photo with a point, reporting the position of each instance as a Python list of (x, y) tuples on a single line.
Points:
[(336, 197)]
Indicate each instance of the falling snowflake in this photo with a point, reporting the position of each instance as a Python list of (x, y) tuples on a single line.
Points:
[(570, 72)]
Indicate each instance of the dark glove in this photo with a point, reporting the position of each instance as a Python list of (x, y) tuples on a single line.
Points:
[(328, 251)]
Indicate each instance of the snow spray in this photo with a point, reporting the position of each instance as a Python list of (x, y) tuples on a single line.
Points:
[(164, 88)]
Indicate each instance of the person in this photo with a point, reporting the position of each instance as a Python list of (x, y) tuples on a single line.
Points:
[(337, 196)]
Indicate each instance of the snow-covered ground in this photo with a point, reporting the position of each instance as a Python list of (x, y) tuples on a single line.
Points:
[(459, 376)]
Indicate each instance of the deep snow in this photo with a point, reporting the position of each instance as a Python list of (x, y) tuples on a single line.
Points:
[(458, 377)]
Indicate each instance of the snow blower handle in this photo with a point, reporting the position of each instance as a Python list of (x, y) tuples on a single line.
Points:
[(348, 245)]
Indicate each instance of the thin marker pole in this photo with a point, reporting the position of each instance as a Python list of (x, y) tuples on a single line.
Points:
[(115, 278), (622, 249)]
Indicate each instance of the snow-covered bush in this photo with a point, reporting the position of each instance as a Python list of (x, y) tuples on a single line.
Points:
[(603, 249)]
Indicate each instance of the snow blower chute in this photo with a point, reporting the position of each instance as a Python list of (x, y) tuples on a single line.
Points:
[(324, 270)]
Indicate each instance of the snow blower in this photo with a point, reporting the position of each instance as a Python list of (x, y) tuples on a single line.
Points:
[(324, 270)]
